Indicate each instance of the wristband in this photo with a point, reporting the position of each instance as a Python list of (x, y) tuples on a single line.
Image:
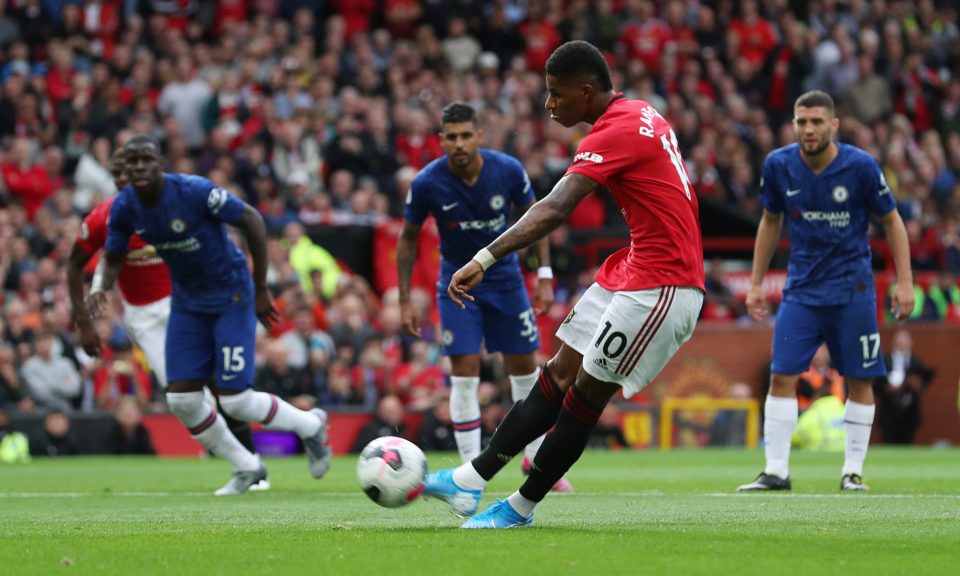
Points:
[(545, 273), (485, 259)]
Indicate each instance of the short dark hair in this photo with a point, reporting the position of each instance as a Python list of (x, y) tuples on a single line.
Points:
[(142, 140), (815, 99), (579, 58), (456, 112)]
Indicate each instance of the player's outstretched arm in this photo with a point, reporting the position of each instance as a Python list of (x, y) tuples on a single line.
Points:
[(541, 219), (768, 234), (406, 256), (251, 222), (89, 340), (903, 300)]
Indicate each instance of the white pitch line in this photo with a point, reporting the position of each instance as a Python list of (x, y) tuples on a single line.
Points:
[(142, 494), (651, 494)]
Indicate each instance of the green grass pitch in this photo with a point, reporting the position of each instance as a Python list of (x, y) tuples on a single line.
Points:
[(633, 513)]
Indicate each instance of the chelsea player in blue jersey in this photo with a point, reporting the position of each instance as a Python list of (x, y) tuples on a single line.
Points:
[(214, 307), (470, 192), (824, 192)]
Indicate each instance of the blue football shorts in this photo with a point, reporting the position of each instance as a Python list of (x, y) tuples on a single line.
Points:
[(503, 319), (850, 331), (201, 346)]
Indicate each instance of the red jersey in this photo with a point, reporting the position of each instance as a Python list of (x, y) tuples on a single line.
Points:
[(144, 277), (633, 151)]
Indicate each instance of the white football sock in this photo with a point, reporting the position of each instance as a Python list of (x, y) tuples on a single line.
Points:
[(780, 418), (520, 387), (859, 421), (522, 505), (210, 430), (467, 477), (465, 413), (270, 411)]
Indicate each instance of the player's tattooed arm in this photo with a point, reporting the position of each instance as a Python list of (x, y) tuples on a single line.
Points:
[(75, 265), (96, 302), (544, 216), (406, 256), (87, 335), (543, 292)]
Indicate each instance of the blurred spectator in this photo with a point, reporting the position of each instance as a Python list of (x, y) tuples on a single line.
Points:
[(436, 431), (820, 376), (944, 296), (121, 376), (183, 100), (821, 428), (729, 427), (305, 340), (417, 380), (25, 179), (490, 417), (337, 387), (278, 377), (350, 323), (387, 421), (130, 436), (93, 178), (460, 49), (608, 433), (898, 395), (57, 438), (306, 257), (868, 99), (53, 381), (12, 389), (721, 303)]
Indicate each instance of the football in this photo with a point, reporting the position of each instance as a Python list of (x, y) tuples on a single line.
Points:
[(391, 471)]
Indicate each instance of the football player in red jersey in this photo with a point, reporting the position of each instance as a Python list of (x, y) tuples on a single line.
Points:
[(630, 322)]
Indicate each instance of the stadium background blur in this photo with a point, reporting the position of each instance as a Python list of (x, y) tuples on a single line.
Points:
[(319, 113)]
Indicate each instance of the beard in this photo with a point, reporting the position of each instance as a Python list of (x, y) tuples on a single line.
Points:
[(818, 149)]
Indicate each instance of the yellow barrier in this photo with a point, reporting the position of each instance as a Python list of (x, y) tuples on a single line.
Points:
[(669, 405)]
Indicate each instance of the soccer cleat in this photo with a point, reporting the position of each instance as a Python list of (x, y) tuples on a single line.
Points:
[(319, 454), (853, 482), (440, 485), (261, 486), (562, 485), (499, 515), (242, 480), (766, 482)]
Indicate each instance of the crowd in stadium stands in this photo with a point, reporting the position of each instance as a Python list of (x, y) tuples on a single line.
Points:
[(320, 112)]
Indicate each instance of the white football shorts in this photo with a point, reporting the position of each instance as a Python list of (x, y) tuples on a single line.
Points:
[(147, 327), (627, 337)]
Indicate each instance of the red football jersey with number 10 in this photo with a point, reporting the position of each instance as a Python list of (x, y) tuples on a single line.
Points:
[(144, 277), (633, 151)]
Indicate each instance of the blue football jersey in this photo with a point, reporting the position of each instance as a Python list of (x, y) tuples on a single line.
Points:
[(208, 272), (471, 217), (826, 218)]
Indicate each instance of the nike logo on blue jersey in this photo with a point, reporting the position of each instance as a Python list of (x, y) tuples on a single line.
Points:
[(448, 207), (228, 377), (139, 231), (793, 192), (869, 364)]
